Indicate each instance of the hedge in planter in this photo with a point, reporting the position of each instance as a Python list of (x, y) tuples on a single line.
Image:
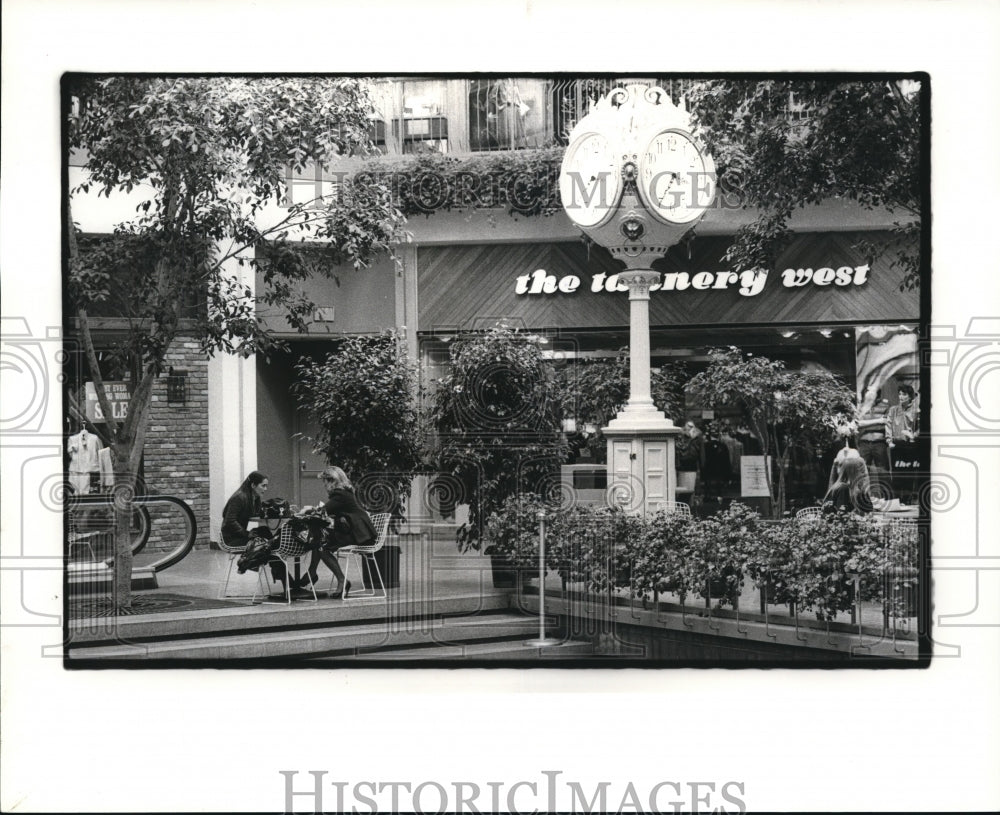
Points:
[(769, 561), (715, 552), (656, 555), (592, 545), (826, 552)]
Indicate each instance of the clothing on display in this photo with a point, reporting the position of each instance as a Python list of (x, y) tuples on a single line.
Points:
[(84, 450), (107, 471)]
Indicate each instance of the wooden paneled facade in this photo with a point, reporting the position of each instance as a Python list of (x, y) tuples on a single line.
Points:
[(461, 286)]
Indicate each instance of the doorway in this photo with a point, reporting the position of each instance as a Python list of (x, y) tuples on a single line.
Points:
[(307, 464)]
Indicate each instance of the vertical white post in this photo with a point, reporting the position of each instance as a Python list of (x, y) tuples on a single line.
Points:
[(542, 640), (232, 420)]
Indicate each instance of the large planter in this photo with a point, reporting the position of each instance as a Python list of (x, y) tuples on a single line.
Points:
[(623, 575), (504, 572), (717, 587), (387, 559)]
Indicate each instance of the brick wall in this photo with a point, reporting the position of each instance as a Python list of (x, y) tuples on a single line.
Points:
[(176, 451)]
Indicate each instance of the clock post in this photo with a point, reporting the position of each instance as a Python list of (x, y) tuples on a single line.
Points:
[(635, 181)]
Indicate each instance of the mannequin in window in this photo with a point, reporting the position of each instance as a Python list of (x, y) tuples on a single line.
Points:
[(84, 450)]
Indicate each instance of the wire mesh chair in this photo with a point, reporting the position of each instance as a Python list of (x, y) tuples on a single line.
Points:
[(290, 549), (367, 553), (678, 506), (809, 512), (234, 553)]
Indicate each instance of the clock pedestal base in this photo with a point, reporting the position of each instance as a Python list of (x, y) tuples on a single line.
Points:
[(641, 474)]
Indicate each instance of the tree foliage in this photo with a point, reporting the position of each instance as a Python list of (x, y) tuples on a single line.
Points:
[(498, 423), (364, 399), (207, 156), (594, 391), (785, 408), (783, 144)]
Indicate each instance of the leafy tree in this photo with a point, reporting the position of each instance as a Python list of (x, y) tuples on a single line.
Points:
[(785, 408), (594, 391), (363, 397), (211, 153), (498, 423), (783, 144)]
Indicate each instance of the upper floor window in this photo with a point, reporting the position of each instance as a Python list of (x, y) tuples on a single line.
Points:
[(506, 114)]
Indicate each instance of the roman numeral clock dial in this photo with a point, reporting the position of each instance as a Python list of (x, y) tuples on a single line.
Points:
[(590, 183), (676, 179)]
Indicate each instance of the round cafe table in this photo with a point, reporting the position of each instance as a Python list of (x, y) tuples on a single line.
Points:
[(274, 524), (893, 510)]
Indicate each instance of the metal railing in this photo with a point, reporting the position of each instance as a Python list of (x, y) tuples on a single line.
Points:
[(91, 527), (485, 114)]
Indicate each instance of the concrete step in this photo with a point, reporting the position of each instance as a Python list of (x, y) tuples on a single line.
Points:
[(357, 641), (507, 650), (263, 617)]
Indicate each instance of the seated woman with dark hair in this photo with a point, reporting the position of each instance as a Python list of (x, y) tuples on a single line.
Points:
[(851, 489), (243, 505), (349, 526)]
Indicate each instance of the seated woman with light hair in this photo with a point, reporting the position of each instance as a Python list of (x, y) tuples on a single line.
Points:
[(851, 490), (350, 525), (842, 455)]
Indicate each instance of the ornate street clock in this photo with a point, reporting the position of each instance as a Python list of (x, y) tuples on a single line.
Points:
[(635, 181), (590, 183), (633, 178)]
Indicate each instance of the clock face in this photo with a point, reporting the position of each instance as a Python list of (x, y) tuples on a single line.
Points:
[(676, 180), (590, 183)]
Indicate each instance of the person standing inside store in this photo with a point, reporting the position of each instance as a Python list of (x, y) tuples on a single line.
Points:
[(851, 490), (691, 459), (350, 525), (902, 429), (872, 440)]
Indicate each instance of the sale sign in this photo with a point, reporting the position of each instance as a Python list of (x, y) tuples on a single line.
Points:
[(118, 395)]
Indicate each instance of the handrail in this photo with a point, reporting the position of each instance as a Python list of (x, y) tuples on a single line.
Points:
[(185, 548), (175, 555), (145, 524)]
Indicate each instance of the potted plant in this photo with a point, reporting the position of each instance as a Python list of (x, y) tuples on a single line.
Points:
[(362, 397), (512, 534), (498, 423)]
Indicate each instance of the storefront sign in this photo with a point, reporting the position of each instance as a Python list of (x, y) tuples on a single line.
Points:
[(749, 283), (118, 395), (753, 477)]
